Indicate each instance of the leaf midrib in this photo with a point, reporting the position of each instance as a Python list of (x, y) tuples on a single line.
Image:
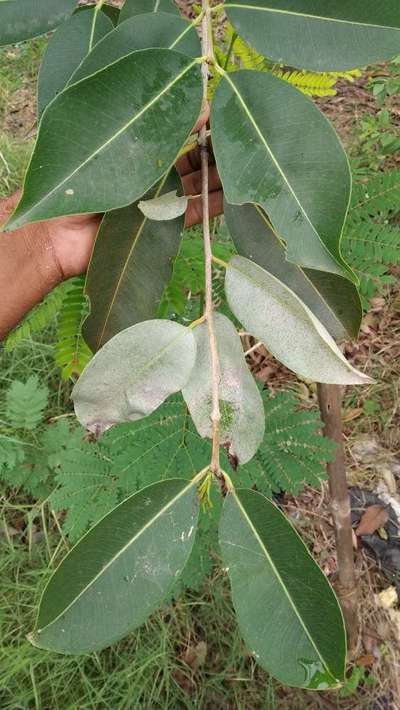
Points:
[(121, 551), (259, 8), (300, 269)]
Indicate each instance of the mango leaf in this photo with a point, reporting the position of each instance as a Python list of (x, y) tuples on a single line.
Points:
[(333, 300), (85, 162), (125, 284), (273, 313), (286, 610), (24, 19), (65, 51), (134, 373), (141, 32), (329, 36), (165, 207), (131, 8), (296, 170), (242, 409), (120, 571)]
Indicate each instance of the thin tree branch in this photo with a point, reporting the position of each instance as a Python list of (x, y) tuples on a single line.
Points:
[(206, 44), (329, 397)]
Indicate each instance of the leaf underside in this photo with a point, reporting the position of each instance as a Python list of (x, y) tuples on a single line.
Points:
[(242, 421), (333, 299), (273, 313), (134, 373)]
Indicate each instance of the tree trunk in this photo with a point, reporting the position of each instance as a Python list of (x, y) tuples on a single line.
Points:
[(330, 400)]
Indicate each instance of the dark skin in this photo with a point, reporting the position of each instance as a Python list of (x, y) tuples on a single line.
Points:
[(34, 259)]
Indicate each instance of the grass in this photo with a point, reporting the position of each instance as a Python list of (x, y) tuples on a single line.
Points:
[(153, 668)]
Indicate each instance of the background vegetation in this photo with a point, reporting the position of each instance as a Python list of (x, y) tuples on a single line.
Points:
[(190, 654)]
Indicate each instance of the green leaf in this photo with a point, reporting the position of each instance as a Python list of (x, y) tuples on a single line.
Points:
[(81, 156), (286, 610), (142, 32), (131, 8), (121, 571), (327, 36), (25, 403), (24, 19), (293, 453), (164, 207), (39, 317), (332, 299), (134, 373), (273, 313), (296, 170), (71, 353), (242, 411), (125, 284), (65, 51)]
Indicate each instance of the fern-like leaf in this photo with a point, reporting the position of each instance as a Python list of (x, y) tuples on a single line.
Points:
[(379, 195), (38, 318), (371, 241), (71, 352), (292, 452), (187, 281), (25, 403)]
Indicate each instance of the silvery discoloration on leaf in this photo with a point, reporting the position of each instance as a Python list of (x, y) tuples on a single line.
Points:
[(242, 412), (168, 206), (273, 313), (134, 373)]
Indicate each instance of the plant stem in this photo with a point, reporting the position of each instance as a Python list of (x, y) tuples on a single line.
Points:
[(207, 52), (329, 397)]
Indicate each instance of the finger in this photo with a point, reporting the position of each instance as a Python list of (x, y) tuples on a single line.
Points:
[(203, 118), (194, 212), (192, 182)]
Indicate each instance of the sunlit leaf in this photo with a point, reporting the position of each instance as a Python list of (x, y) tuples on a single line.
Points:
[(65, 51), (125, 284), (134, 373), (241, 407), (333, 299), (120, 571), (288, 159), (24, 19), (273, 313), (287, 612), (321, 36), (85, 162), (141, 32)]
